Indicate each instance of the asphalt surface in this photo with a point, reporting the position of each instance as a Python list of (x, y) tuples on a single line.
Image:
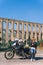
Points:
[(20, 61)]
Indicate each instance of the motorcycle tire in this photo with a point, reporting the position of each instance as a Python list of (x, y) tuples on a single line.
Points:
[(9, 55)]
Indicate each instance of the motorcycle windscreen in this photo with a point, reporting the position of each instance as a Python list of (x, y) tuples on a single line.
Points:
[(14, 44)]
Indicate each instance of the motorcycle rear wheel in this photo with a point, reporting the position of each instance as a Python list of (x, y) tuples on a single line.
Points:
[(9, 55)]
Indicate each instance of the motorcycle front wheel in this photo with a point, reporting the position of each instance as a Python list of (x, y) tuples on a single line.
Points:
[(9, 55)]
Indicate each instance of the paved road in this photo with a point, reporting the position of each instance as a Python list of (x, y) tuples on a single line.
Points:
[(17, 61)]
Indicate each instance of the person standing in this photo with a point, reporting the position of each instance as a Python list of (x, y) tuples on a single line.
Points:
[(33, 49)]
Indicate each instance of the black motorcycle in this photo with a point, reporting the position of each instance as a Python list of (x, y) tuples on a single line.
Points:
[(20, 50)]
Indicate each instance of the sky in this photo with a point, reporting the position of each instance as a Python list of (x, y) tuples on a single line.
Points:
[(26, 10)]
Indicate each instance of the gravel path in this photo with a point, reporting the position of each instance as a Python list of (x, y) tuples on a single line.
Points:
[(17, 61)]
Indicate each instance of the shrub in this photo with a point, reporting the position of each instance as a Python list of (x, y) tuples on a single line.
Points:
[(38, 43)]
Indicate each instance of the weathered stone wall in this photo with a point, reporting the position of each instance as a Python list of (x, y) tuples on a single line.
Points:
[(27, 28)]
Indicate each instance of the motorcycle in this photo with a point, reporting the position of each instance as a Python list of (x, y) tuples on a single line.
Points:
[(17, 49)]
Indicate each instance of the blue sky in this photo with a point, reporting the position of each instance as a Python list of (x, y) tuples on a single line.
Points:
[(27, 10)]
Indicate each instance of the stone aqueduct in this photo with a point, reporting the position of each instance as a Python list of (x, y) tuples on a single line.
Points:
[(11, 29)]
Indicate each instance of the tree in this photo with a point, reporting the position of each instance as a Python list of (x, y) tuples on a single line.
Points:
[(0, 38), (29, 41), (25, 35), (24, 43), (9, 43)]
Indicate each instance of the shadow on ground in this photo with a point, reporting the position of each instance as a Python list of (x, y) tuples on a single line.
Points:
[(36, 58), (39, 58)]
